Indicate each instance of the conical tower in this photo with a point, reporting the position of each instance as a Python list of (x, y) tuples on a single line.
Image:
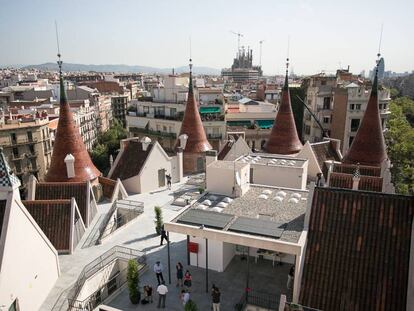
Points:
[(368, 146), (68, 141), (192, 126), (284, 138)]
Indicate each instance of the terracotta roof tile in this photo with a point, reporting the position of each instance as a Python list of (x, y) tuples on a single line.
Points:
[(65, 191), (358, 251), (368, 146), (69, 141), (284, 137), (132, 160), (54, 218), (340, 180), (363, 169), (193, 126)]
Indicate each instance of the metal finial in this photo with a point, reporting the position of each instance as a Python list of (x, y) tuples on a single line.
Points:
[(191, 65), (59, 62)]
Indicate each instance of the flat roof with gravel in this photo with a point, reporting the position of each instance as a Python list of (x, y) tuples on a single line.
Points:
[(271, 160), (284, 207)]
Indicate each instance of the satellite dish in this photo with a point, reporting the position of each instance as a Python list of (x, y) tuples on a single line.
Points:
[(238, 181)]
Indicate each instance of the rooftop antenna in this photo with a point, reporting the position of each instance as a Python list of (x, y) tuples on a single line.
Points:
[(190, 46), (287, 56), (59, 62), (260, 56), (238, 38), (380, 41)]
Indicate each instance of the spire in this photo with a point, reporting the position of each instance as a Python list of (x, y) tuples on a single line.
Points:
[(284, 138), (69, 141), (7, 178), (368, 146), (192, 125)]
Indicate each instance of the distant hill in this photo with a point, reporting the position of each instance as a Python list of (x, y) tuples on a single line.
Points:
[(122, 68)]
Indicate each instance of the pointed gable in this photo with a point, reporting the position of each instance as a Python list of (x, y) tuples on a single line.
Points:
[(284, 138), (368, 146), (192, 125), (69, 141)]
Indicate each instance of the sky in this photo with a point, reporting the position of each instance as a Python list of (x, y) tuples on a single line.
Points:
[(323, 35)]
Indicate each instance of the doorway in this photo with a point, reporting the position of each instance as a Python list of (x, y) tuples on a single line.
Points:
[(161, 177), (200, 164)]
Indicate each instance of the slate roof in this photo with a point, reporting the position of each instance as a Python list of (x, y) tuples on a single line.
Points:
[(2, 212), (358, 251), (225, 150), (65, 191), (132, 160), (325, 151), (54, 218)]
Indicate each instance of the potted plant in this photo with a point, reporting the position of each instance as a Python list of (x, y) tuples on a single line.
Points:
[(190, 306), (158, 219), (133, 281)]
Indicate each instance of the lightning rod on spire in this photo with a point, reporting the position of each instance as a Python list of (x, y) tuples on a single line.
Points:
[(59, 62)]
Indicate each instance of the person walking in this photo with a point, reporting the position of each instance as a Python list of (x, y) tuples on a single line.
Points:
[(188, 280), (179, 268), (215, 295), (185, 297), (164, 235), (291, 275), (162, 291), (158, 272), (168, 181)]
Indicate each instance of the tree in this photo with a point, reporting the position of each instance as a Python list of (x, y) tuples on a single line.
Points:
[(108, 144), (190, 306), (407, 106), (133, 281), (400, 142), (158, 219)]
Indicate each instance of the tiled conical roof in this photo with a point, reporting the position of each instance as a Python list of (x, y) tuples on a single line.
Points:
[(284, 138), (192, 125), (69, 141), (368, 146), (7, 178)]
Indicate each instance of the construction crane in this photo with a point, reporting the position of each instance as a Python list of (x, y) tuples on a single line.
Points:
[(260, 55), (238, 34)]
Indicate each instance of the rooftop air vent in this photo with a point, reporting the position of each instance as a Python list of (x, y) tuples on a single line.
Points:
[(227, 200), (222, 204), (263, 196), (207, 202), (217, 209), (267, 191), (296, 195), (293, 200), (281, 193), (278, 199)]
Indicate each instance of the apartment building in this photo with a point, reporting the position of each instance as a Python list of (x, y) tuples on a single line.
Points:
[(339, 103), (27, 146)]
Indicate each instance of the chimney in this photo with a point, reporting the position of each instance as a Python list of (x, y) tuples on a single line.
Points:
[(183, 140), (70, 165), (180, 164), (146, 141), (356, 178)]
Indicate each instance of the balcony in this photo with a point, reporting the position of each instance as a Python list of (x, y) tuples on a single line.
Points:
[(33, 154), (151, 132), (214, 136), (17, 157), (21, 141)]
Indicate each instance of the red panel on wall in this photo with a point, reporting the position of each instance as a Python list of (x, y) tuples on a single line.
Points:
[(193, 247)]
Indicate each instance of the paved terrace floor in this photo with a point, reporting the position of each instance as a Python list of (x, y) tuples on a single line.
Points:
[(141, 235), (231, 282)]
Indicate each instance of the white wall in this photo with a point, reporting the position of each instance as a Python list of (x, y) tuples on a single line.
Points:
[(132, 184), (29, 266), (280, 176), (313, 165), (219, 180), (98, 280), (239, 148), (219, 254), (149, 173)]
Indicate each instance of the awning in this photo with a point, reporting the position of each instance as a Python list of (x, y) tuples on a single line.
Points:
[(265, 124), (138, 122), (239, 123), (205, 110)]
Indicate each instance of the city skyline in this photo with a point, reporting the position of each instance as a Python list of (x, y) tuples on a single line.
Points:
[(157, 34)]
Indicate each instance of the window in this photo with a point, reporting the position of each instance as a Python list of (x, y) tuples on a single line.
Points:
[(307, 129), (13, 137), (326, 120), (326, 103), (31, 148), (29, 136), (355, 107), (354, 124), (164, 128)]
